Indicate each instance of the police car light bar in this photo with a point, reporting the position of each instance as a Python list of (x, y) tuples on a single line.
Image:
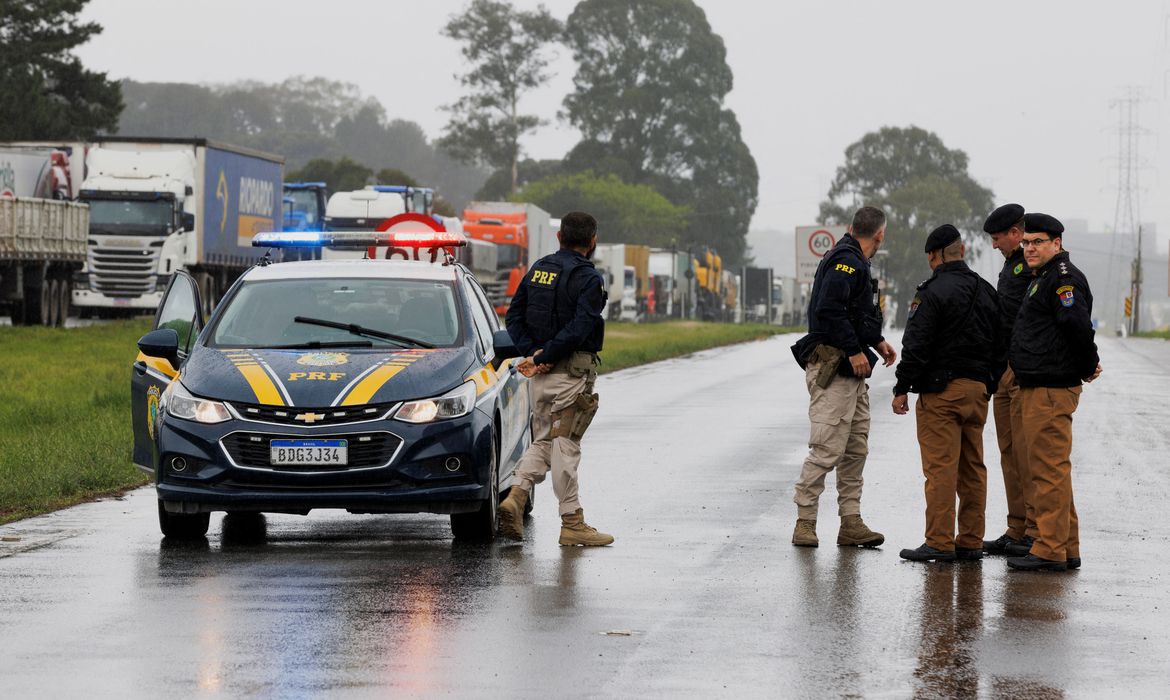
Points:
[(358, 239)]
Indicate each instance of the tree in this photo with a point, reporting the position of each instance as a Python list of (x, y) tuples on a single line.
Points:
[(47, 93), (648, 99), (504, 48), (920, 184), (499, 185), (625, 213), (340, 176)]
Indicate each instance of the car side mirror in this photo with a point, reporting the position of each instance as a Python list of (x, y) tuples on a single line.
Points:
[(162, 343), (188, 221), (505, 347)]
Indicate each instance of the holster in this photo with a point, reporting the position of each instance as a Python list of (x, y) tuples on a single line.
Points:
[(573, 420), (829, 358)]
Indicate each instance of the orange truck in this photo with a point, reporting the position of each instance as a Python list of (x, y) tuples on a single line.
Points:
[(522, 232)]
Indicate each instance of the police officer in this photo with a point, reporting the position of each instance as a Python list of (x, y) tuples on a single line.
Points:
[(556, 321), (1052, 353), (952, 354), (1006, 227), (844, 322)]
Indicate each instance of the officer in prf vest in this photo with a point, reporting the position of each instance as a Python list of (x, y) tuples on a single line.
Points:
[(556, 320)]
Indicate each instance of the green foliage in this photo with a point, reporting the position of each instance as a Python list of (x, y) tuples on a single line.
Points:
[(632, 344), (65, 426), (499, 185), (394, 176), (340, 176), (920, 184), (625, 213), (46, 92), (504, 50), (303, 119), (648, 99)]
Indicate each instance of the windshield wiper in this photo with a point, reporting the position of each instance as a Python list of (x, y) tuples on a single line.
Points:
[(317, 344), (361, 330)]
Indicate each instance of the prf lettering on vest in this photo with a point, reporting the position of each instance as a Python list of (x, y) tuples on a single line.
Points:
[(845, 268), (315, 376), (543, 278)]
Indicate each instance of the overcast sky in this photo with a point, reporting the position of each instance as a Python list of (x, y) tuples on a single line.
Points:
[(1023, 87)]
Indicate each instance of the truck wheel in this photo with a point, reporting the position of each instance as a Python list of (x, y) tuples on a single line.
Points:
[(480, 525), (50, 312), (66, 302), (182, 526)]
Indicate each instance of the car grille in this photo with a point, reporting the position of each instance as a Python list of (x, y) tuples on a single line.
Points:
[(365, 450), (336, 415)]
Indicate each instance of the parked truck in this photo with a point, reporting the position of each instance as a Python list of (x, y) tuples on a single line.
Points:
[(521, 232), (42, 234), (367, 208), (159, 205), (304, 206)]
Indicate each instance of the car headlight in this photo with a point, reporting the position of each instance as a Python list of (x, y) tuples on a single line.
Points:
[(179, 403), (457, 402)]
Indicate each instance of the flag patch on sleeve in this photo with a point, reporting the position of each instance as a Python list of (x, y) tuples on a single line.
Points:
[(1066, 295)]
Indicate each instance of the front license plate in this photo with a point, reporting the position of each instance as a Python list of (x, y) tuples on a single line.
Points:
[(332, 452)]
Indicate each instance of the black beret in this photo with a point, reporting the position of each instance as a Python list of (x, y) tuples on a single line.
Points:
[(1003, 218), (1043, 223), (942, 237)]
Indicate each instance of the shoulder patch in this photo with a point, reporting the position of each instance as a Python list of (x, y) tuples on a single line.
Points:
[(1064, 269), (914, 307), (1066, 295), (842, 267), (1018, 268)]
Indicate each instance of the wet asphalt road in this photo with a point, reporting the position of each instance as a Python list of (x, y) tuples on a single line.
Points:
[(690, 465)]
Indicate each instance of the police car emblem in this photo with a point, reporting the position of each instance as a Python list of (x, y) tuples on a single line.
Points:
[(324, 359), (152, 397), (1018, 268), (1066, 295)]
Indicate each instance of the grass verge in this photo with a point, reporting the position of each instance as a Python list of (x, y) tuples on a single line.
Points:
[(65, 432), (1163, 334)]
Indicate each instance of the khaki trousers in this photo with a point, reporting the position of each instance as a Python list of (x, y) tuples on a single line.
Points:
[(1013, 457), (950, 437), (1048, 415), (552, 392), (838, 439)]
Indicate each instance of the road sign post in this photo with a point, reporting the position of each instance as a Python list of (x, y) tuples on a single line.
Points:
[(812, 243)]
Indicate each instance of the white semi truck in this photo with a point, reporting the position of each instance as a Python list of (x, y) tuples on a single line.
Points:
[(162, 205)]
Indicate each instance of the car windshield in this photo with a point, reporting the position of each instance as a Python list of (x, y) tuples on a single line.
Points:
[(263, 314)]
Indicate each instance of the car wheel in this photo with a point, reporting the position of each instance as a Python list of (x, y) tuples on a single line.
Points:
[(182, 526), (480, 525)]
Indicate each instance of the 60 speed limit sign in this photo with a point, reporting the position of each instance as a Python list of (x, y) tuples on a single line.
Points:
[(812, 243)]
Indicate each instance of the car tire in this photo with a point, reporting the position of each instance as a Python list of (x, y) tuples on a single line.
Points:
[(480, 525), (182, 526)]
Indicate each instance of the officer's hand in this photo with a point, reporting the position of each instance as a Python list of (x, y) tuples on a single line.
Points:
[(888, 353), (861, 366), (901, 404), (1096, 373), (526, 367)]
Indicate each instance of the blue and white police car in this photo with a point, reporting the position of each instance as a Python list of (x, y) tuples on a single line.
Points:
[(368, 385)]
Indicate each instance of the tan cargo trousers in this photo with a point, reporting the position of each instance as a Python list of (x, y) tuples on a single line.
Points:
[(950, 437), (838, 439), (1013, 457), (1048, 413), (549, 393)]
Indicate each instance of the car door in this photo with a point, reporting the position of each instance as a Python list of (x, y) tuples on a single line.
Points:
[(151, 375), (513, 393)]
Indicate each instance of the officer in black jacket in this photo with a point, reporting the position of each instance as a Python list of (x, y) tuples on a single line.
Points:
[(952, 355), (556, 320), (1006, 227), (844, 322), (1052, 353)]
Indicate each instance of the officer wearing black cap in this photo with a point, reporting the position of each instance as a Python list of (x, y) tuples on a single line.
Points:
[(952, 355), (1052, 353), (1005, 225)]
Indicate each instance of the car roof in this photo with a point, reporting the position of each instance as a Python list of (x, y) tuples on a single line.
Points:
[(376, 269)]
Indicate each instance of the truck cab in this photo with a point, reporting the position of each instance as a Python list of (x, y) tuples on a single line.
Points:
[(366, 209), (305, 206)]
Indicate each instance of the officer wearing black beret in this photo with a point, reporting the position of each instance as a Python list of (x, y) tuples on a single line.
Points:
[(1005, 225), (952, 355), (1052, 353)]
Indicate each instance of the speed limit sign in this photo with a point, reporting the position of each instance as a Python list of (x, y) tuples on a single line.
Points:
[(812, 243)]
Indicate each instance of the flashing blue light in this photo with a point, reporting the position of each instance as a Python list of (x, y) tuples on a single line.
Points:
[(287, 239), (304, 185)]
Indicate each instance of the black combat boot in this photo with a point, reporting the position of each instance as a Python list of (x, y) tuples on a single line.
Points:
[(925, 553), (968, 554), (1035, 563), (999, 545), (1020, 547)]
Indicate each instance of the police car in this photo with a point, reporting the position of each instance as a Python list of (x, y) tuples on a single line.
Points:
[(368, 385)]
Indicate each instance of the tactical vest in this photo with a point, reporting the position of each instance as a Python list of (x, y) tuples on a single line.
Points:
[(550, 306)]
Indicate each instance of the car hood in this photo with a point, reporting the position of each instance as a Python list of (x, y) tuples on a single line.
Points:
[(316, 378)]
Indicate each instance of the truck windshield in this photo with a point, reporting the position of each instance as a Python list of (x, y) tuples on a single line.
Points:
[(263, 314), (507, 257), (304, 205), (131, 216)]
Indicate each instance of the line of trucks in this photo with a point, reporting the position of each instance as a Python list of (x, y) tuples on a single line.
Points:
[(101, 226)]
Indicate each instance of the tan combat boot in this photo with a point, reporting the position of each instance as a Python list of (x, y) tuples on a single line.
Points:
[(511, 513), (574, 531), (855, 533), (805, 534)]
